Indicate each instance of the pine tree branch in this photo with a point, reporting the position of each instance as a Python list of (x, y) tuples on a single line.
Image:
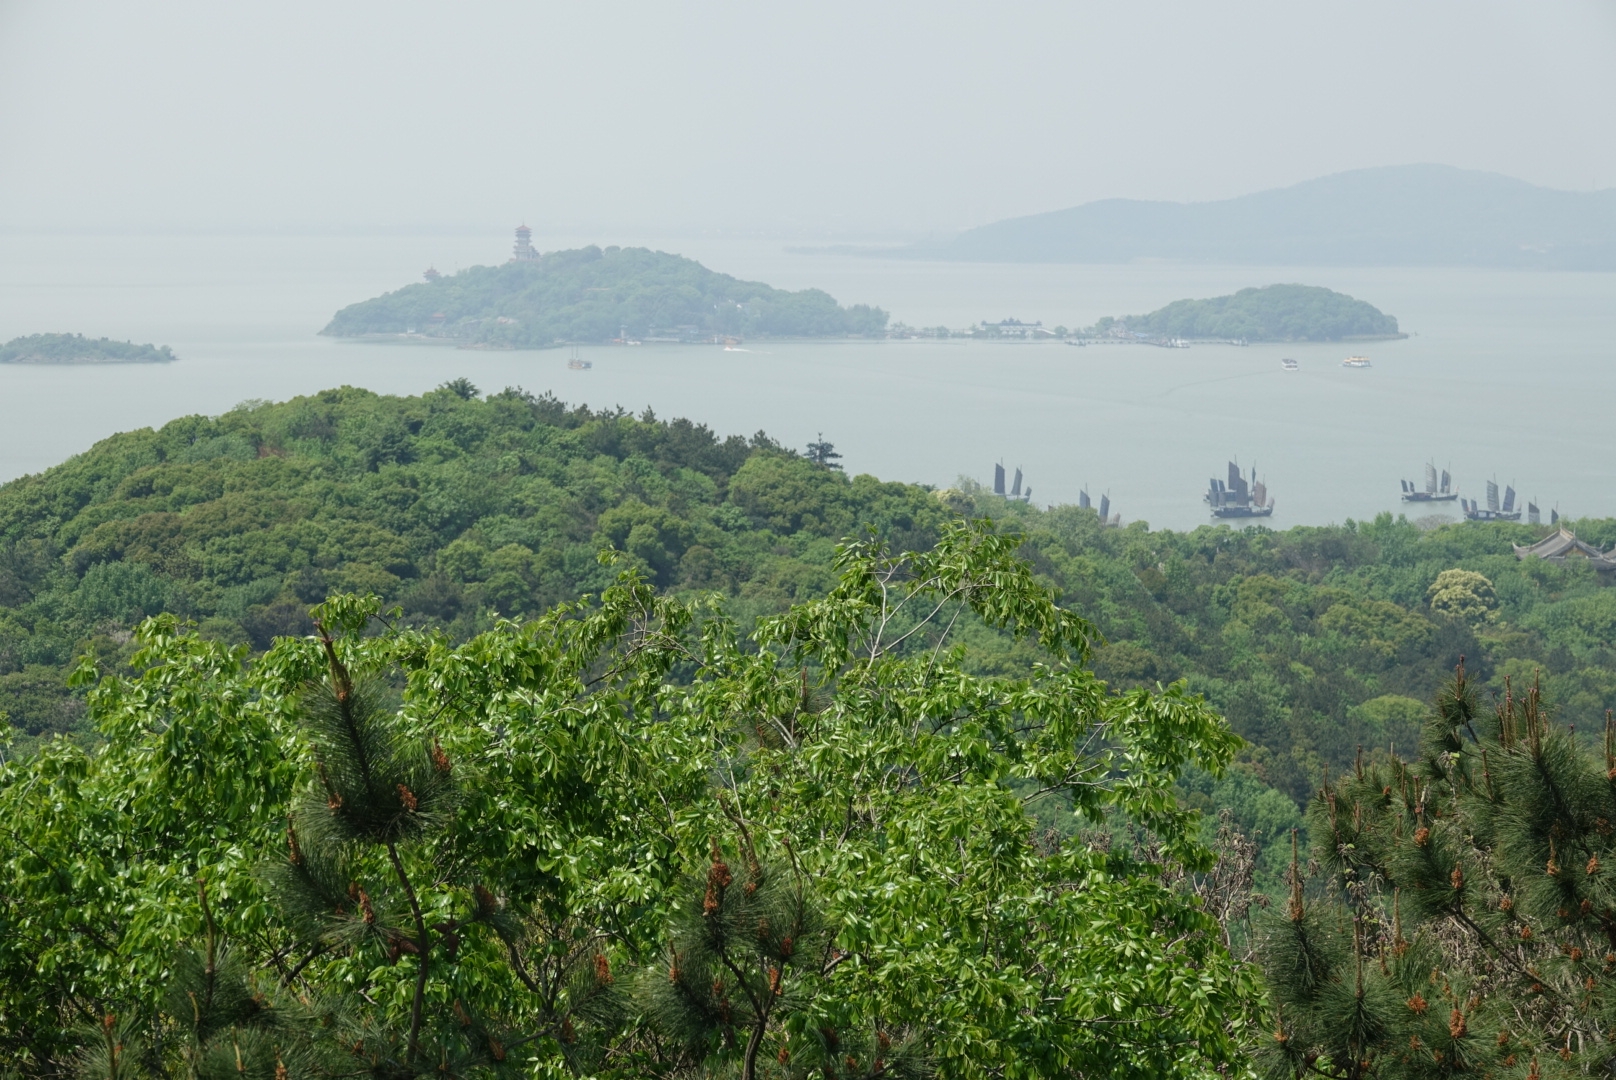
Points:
[(423, 942), (319, 950), (749, 1061)]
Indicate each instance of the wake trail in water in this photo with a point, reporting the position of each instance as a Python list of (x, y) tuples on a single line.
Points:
[(1203, 382)]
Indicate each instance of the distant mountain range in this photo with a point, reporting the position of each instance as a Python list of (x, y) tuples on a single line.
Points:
[(1405, 215)]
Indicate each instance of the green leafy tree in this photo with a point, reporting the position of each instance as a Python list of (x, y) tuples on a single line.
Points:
[(489, 855), (1464, 595), (218, 1020)]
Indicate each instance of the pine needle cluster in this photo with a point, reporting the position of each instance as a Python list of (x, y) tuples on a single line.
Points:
[(737, 986), (1461, 917), (220, 1020)]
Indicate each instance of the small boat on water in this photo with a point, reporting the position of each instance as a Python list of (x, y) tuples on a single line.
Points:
[(1492, 511), (1355, 362), (578, 363), (1237, 498), (1433, 492), (1289, 365)]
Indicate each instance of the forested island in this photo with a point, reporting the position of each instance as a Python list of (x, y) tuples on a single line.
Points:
[(597, 294), (1272, 313), (409, 775), (78, 349)]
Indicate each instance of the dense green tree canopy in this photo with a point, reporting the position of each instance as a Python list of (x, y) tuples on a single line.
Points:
[(1272, 313), (594, 295), (453, 506), (623, 839)]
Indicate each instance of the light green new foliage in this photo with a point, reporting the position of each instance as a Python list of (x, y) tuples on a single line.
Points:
[(1464, 595), (631, 840)]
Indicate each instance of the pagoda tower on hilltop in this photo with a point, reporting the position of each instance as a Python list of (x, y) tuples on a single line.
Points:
[(524, 250)]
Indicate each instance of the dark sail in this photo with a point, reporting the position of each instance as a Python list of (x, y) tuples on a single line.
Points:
[(998, 479), (1509, 499), (1240, 497), (1445, 481), (1533, 516), (1015, 488), (1105, 506), (1492, 495), (1083, 500), (1430, 478), (1238, 492)]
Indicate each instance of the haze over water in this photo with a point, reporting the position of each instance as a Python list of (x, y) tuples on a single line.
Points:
[(1507, 374)]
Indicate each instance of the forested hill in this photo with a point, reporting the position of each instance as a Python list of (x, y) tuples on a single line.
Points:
[(1311, 641), (1274, 313), (594, 295), (78, 349)]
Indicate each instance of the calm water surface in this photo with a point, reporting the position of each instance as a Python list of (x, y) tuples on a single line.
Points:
[(1508, 374)]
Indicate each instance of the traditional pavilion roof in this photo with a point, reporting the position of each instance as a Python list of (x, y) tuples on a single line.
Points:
[(1562, 544)]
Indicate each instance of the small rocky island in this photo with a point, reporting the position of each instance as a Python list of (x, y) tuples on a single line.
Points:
[(78, 349), (1274, 313), (538, 300)]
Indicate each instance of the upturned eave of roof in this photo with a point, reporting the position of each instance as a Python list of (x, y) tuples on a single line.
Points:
[(1562, 543)]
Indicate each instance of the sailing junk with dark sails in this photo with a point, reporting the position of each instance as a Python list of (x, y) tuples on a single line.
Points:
[(1106, 517), (1237, 498), (1016, 490), (1493, 511), (1433, 492)]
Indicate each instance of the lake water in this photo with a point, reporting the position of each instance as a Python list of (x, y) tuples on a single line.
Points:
[(1508, 374)]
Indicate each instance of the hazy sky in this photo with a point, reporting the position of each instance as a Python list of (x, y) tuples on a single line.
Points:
[(810, 118)]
